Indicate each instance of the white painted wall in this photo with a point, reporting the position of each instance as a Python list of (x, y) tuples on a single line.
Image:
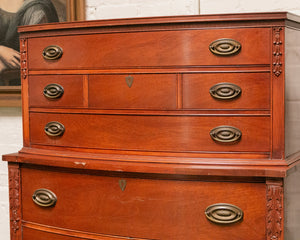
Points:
[(103, 9), (10, 119), (231, 6)]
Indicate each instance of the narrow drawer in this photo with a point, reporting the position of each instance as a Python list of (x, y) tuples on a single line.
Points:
[(226, 91), (152, 49), (153, 133), (145, 208), (56, 91), (135, 91)]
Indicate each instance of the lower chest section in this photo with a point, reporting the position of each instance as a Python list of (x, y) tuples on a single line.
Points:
[(69, 205)]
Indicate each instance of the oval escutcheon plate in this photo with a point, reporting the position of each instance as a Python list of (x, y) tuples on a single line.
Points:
[(226, 134), (225, 91), (225, 47), (44, 198), (224, 213)]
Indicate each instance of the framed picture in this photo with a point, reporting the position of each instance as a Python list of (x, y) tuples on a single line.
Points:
[(26, 12)]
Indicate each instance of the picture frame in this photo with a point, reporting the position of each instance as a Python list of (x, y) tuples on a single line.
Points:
[(10, 89)]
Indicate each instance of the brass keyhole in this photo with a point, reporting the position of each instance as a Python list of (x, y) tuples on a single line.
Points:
[(129, 81)]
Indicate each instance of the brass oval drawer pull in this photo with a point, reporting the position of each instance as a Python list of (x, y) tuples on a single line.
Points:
[(52, 52), (53, 91), (225, 47), (44, 197), (54, 129), (225, 91), (223, 213), (225, 134)]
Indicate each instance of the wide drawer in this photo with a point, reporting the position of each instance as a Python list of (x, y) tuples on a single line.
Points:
[(135, 91), (148, 208), (152, 133), (56, 91), (226, 91), (152, 49)]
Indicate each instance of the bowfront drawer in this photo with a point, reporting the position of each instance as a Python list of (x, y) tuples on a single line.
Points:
[(56, 91), (151, 49), (148, 208), (152, 133), (226, 91), (135, 91), (38, 232)]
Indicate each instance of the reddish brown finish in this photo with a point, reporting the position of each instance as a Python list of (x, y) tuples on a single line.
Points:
[(72, 96), (151, 133), (255, 91), (278, 88), (155, 133), (152, 49), (148, 91), (97, 204), (15, 200), (40, 232), (25, 97)]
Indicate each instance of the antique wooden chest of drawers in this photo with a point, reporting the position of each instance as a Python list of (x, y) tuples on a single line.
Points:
[(159, 128)]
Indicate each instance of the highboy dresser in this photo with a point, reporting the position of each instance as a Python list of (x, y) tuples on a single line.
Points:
[(167, 128)]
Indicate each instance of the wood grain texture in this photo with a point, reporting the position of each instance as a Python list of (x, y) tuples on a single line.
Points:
[(175, 207), (71, 84), (152, 49), (255, 91), (136, 159), (148, 91), (151, 133), (41, 232)]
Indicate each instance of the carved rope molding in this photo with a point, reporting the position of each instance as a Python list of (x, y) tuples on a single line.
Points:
[(23, 52), (274, 210), (14, 200), (277, 51)]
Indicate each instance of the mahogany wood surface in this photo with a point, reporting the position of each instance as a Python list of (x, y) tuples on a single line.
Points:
[(97, 204), (255, 89), (151, 133), (148, 91), (72, 86), (137, 108), (151, 49)]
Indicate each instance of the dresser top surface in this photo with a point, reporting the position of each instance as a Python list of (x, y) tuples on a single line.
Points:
[(216, 19)]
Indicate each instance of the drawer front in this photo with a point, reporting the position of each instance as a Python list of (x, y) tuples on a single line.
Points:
[(35, 232), (226, 91), (56, 91), (154, 133), (135, 91), (143, 208), (154, 49)]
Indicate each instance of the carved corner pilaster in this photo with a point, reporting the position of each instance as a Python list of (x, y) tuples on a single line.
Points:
[(274, 216), (23, 52), (277, 51), (14, 200)]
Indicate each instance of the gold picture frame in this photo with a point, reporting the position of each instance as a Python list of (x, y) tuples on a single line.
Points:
[(10, 95)]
